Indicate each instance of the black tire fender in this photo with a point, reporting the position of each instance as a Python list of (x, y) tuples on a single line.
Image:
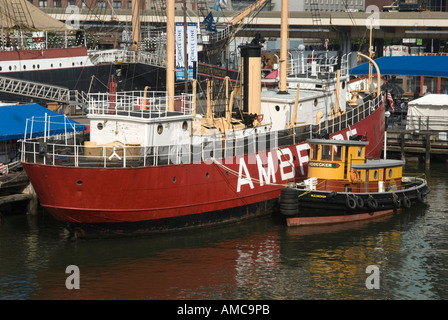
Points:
[(350, 202), (372, 203)]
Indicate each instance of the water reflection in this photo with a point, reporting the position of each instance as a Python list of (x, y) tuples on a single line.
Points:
[(260, 259)]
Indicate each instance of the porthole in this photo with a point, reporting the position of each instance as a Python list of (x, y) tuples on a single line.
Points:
[(100, 126), (34, 66), (315, 102), (79, 182), (38, 66), (390, 173), (207, 175), (159, 129), (10, 68), (24, 67), (174, 179), (277, 108), (343, 84), (51, 65), (375, 174), (185, 126), (60, 64)]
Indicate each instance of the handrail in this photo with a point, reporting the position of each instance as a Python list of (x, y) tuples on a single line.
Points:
[(64, 151)]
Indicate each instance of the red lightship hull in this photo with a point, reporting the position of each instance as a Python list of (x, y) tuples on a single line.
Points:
[(173, 197)]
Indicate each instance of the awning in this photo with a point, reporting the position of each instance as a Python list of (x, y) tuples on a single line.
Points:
[(431, 66), (23, 14), (428, 113), (13, 122)]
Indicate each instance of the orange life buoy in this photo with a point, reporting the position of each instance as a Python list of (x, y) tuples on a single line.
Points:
[(354, 175)]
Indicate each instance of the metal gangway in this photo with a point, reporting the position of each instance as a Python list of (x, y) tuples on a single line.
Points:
[(43, 91)]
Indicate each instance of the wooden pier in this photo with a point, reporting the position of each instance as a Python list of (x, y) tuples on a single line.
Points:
[(422, 144), (15, 188)]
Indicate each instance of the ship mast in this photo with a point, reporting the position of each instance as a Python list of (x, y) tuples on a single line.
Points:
[(135, 24), (170, 67), (283, 46)]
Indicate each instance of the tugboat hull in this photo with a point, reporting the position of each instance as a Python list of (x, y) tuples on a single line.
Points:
[(317, 207)]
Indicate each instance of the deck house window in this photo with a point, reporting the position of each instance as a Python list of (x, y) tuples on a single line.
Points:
[(314, 151), (326, 152), (337, 153)]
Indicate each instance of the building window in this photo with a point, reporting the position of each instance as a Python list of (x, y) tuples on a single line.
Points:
[(71, 2), (57, 3), (42, 3), (102, 4), (116, 4), (129, 4)]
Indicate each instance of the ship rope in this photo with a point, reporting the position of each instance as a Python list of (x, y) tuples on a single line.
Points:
[(243, 175)]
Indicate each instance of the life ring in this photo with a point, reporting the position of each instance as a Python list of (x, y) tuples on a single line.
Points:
[(406, 202), (350, 202), (260, 118), (354, 175), (372, 203)]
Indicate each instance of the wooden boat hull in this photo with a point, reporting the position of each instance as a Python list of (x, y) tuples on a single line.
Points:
[(315, 207)]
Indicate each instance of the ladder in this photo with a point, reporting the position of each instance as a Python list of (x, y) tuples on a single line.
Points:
[(19, 12), (315, 14), (43, 91)]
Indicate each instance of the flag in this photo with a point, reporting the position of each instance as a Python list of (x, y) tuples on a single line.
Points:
[(391, 101), (210, 23), (216, 7)]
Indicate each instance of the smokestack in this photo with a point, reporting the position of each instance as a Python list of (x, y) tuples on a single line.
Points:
[(251, 74)]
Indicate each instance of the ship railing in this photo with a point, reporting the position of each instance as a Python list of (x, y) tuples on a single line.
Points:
[(106, 56), (127, 56), (322, 66), (211, 37), (352, 115), (74, 149), (143, 104)]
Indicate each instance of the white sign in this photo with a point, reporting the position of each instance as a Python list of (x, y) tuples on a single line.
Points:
[(192, 50)]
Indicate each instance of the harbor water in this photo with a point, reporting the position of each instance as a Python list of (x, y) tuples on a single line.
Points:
[(403, 257)]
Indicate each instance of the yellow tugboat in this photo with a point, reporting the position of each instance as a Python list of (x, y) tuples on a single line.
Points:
[(344, 186)]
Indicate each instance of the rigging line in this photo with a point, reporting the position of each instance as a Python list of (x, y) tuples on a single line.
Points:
[(352, 19), (230, 186), (243, 175)]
